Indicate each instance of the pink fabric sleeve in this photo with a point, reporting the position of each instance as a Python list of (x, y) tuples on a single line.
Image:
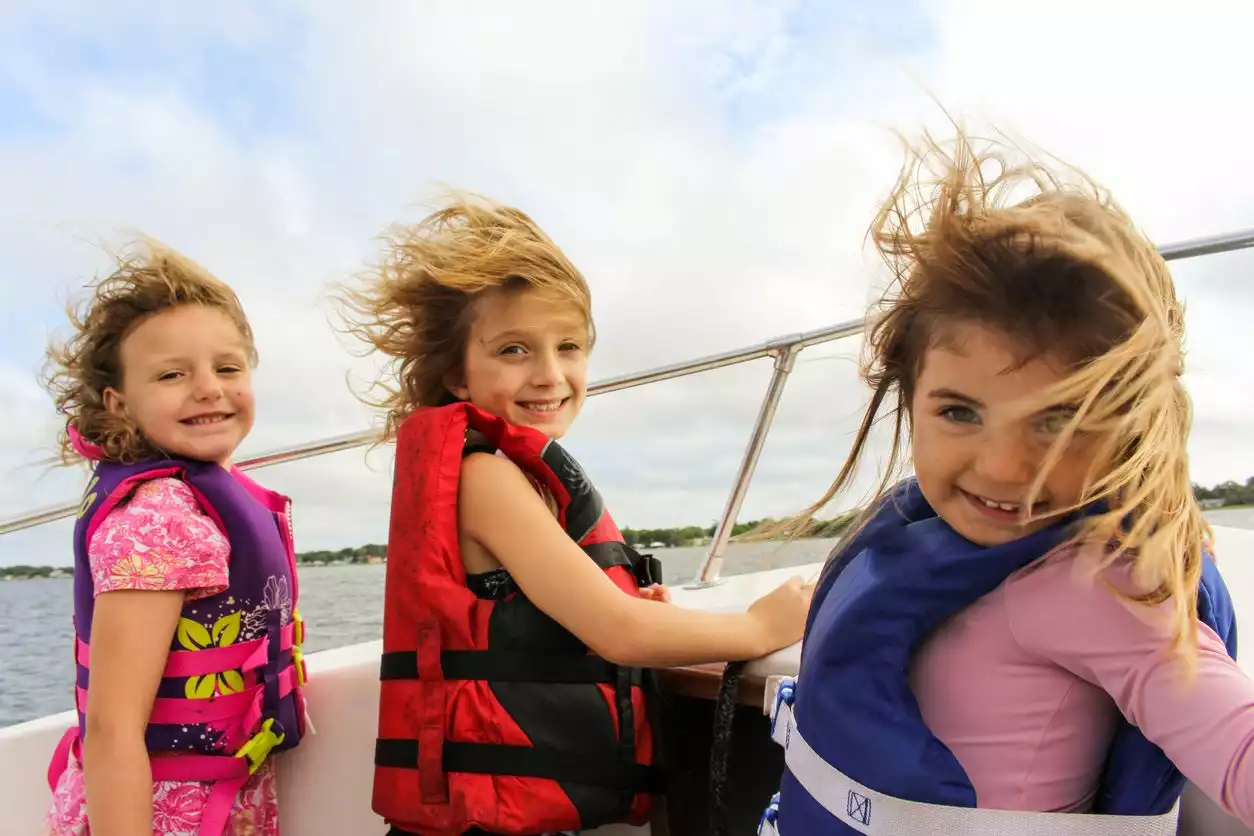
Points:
[(1205, 726), (159, 540)]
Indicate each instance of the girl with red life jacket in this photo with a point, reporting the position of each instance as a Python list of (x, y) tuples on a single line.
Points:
[(1033, 624), (187, 638), (517, 622)]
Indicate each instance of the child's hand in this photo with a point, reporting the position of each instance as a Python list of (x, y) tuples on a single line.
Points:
[(656, 592), (782, 612)]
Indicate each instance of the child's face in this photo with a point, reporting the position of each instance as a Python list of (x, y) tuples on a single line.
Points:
[(186, 383), (972, 445), (526, 361)]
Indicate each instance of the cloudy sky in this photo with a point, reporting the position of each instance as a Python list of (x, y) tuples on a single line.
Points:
[(711, 166)]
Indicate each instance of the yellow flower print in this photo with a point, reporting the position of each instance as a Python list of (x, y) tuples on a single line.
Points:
[(193, 636), (136, 572), (89, 497)]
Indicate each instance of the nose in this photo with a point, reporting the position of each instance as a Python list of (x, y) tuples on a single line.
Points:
[(1006, 458), (546, 371), (206, 385)]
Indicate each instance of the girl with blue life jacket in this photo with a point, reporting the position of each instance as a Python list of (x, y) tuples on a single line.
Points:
[(187, 638), (517, 622), (1033, 626)]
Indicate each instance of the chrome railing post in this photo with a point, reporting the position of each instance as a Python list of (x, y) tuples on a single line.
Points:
[(1227, 242), (709, 573)]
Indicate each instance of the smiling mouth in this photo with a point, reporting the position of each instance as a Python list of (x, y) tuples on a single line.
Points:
[(547, 407), (999, 507), (207, 420)]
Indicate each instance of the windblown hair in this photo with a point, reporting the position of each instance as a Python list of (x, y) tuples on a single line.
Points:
[(148, 279), (1045, 256), (416, 308)]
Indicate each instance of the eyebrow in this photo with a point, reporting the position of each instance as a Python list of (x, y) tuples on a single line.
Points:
[(952, 395), (179, 359), (522, 334), (512, 334)]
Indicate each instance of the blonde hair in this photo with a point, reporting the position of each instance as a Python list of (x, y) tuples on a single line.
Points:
[(417, 306), (1045, 256), (148, 279)]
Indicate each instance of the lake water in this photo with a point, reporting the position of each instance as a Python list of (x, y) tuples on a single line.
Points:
[(341, 604)]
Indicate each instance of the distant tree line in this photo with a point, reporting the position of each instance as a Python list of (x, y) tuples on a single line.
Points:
[(23, 571), (1228, 493), (369, 553), (693, 535)]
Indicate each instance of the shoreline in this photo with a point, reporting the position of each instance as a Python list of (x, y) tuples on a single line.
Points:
[(41, 573), (45, 573)]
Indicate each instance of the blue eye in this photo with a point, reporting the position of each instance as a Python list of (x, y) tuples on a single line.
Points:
[(959, 414), (1054, 422)]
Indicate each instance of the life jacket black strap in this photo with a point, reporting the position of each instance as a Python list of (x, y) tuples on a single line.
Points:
[(646, 568), (503, 666), (526, 762), (610, 554)]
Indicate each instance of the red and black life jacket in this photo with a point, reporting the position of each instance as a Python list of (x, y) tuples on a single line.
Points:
[(491, 714)]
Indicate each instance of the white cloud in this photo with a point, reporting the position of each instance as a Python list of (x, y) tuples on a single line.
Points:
[(711, 167)]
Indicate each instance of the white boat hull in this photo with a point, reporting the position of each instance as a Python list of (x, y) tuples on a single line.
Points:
[(325, 784)]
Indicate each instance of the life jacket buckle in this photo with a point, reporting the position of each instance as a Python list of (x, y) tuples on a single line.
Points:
[(298, 655), (298, 628), (258, 747), (767, 825), (785, 693)]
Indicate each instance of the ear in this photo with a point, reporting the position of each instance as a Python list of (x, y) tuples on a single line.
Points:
[(114, 402), (455, 382)]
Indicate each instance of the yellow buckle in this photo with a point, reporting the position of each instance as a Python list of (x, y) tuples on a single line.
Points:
[(259, 745), (298, 628), (298, 638), (298, 661)]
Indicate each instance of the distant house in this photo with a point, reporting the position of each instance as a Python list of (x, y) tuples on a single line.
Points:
[(1211, 503)]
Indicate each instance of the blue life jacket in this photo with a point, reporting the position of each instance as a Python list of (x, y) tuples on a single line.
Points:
[(898, 579)]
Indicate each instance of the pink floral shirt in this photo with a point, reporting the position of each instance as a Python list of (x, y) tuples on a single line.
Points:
[(161, 540)]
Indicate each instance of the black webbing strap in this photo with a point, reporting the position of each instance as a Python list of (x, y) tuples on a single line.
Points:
[(502, 666)]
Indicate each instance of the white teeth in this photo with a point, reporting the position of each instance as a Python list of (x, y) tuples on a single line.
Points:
[(1004, 506), (542, 406), (206, 419)]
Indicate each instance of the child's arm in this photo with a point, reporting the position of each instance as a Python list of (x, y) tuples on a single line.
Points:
[(499, 509), (1205, 725), (130, 639)]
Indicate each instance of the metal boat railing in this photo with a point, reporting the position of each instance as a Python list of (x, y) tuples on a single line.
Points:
[(783, 350)]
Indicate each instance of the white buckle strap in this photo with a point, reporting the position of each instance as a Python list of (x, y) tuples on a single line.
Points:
[(767, 826), (875, 814)]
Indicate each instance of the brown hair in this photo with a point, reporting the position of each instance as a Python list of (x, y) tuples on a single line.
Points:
[(1045, 256), (417, 306), (148, 279)]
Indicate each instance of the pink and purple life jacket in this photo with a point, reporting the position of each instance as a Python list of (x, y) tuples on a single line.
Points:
[(231, 691)]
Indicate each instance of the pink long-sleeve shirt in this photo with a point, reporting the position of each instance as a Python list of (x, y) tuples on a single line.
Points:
[(1026, 686)]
